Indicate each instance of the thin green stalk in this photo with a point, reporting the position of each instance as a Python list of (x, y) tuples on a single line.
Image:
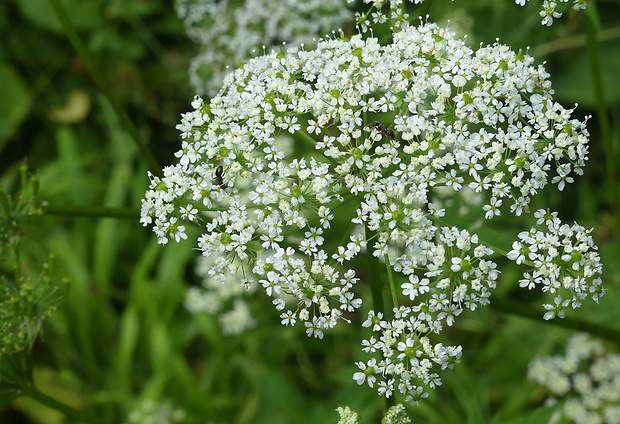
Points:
[(306, 368), (376, 291), (17, 265), (82, 51), (311, 142), (91, 211), (391, 280), (518, 309), (376, 287), (16, 370), (33, 393), (426, 7), (146, 35), (592, 28), (566, 43)]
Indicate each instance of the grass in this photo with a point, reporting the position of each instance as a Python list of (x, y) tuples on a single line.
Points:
[(122, 334)]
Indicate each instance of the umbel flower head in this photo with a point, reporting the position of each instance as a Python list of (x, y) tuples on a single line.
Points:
[(229, 31), (585, 380), (215, 297), (398, 13), (563, 259), (386, 128), (24, 306), (156, 412)]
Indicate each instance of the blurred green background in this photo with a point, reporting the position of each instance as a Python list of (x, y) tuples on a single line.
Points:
[(123, 335)]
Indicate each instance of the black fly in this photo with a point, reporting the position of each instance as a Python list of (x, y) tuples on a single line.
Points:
[(219, 177), (383, 130)]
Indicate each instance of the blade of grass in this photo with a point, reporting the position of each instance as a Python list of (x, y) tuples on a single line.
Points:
[(592, 29), (84, 54), (109, 231), (41, 397), (602, 331)]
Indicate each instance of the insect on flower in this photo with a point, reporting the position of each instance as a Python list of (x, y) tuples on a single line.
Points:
[(383, 130), (219, 177)]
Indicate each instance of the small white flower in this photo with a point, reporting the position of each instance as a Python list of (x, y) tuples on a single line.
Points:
[(415, 286), (367, 373)]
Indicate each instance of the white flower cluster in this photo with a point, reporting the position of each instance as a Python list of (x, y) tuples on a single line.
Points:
[(549, 12), (397, 11), (230, 31), (396, 415), (347, 415), (215, 297), (563, 259), (407, 356), (586, 379), (160, 412), (388, 127)]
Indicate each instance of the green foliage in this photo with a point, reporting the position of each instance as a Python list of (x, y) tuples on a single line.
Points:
[(121, 342), (15, 99)]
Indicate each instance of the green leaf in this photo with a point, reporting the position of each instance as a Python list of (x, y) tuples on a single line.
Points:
[(83, 14), (5, 203), (13, 102), (574, 83)]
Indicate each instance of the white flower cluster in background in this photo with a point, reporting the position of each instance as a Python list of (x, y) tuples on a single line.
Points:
[(156, 412), (398, 15), (395, 415), (223, 298), (563, 260), (387, 127), (230, 32), (347, 415), (586, 380)]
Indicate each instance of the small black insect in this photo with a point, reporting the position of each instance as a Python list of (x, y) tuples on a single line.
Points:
[(383, 130), (219, 177)]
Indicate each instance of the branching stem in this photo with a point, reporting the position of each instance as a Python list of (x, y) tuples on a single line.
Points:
[(92, 211)]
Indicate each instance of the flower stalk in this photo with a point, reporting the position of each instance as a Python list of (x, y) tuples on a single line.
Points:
[(90, 211)]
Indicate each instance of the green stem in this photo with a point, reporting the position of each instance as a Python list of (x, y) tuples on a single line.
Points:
[(33, 393), (566, 43), (374, 270), (391, 280), (305, 364), (17, 265), (91, 211), (426, 8), (146, 36), (592, 28), (311, 142), (17, 371), (306, 138), (84, 55), (376, 290), (525, 311)]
